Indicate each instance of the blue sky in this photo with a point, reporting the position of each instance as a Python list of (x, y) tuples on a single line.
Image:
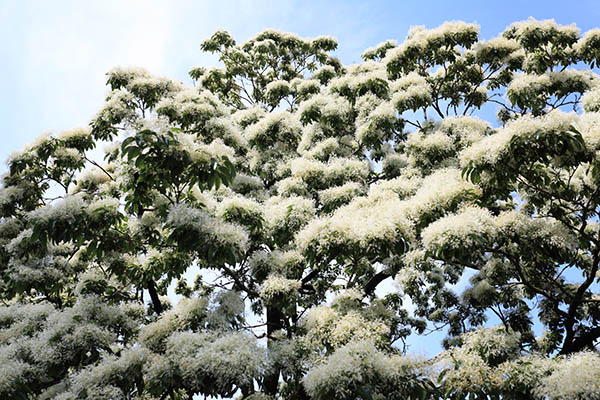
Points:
[(55, 53)]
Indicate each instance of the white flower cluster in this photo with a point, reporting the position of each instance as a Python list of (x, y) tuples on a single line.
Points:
[(275, 90), (467, 368), (365, 105), (372, 51), (288, 214), (278, 85), (107, 204), (276, 288), (305, 87), (524, 372), (187, 314), (411, 92), (203, 113), (292, 186), (357, 76), (491, 148), (99, 378), (67, 155), (325, 326), (420, 38), (39, 141), (44, 271), (204, 360), (124, 75), (249, 116), (9, 194), (538, 230), (90, 323), (353, 326), (21, 320), (382, 116), (466, 229), (523, 82), (283, 127), (364, 224), (340, 194), (90, 177), (245, 184), (323, 150), (73, 134), (411, 275), (209, 230), (465, 129), (426, 149), (222, 128), (589, 125), (12, 372), (204, 153), (328, 106), (591, 100), (531, 85), (533, 27), (336, 171), (149, 221), (152, 87), (276, 263), (485, 51), (576, 377), (358, 365), (68, 209), (349, 299), (443, 189), (588, 42), (117, 109), (16, 245), (394, 163), (238, 208)]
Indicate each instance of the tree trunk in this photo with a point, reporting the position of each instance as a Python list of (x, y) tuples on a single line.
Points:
[(154, 297), (274, 318)]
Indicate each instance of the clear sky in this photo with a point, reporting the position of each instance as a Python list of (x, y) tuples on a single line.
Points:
[(55, 53)]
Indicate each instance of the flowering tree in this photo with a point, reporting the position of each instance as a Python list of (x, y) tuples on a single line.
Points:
[(298, 190)]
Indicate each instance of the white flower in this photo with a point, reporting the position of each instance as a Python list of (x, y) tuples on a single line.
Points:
[(74, 133), (288, 214), (532, 26), (278, 287), (9, 194), (411, 91), (340, 194), (466, 229), (210, 231), (328, 106), (575, 377), (541, 230), (281, 127), (360, 365), (69, 208), (591, 100), (491, 148), (363, 225), (125, 74), (444, 189)]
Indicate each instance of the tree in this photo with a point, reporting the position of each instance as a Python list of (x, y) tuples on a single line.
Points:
[(297, 188)]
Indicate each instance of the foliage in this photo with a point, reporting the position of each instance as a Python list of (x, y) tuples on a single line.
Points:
[(297, 190)]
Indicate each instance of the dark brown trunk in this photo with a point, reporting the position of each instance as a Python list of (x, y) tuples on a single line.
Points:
[(154, 297), (274, 323)]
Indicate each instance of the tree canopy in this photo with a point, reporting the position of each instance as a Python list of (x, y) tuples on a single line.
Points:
[(328, 212)]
